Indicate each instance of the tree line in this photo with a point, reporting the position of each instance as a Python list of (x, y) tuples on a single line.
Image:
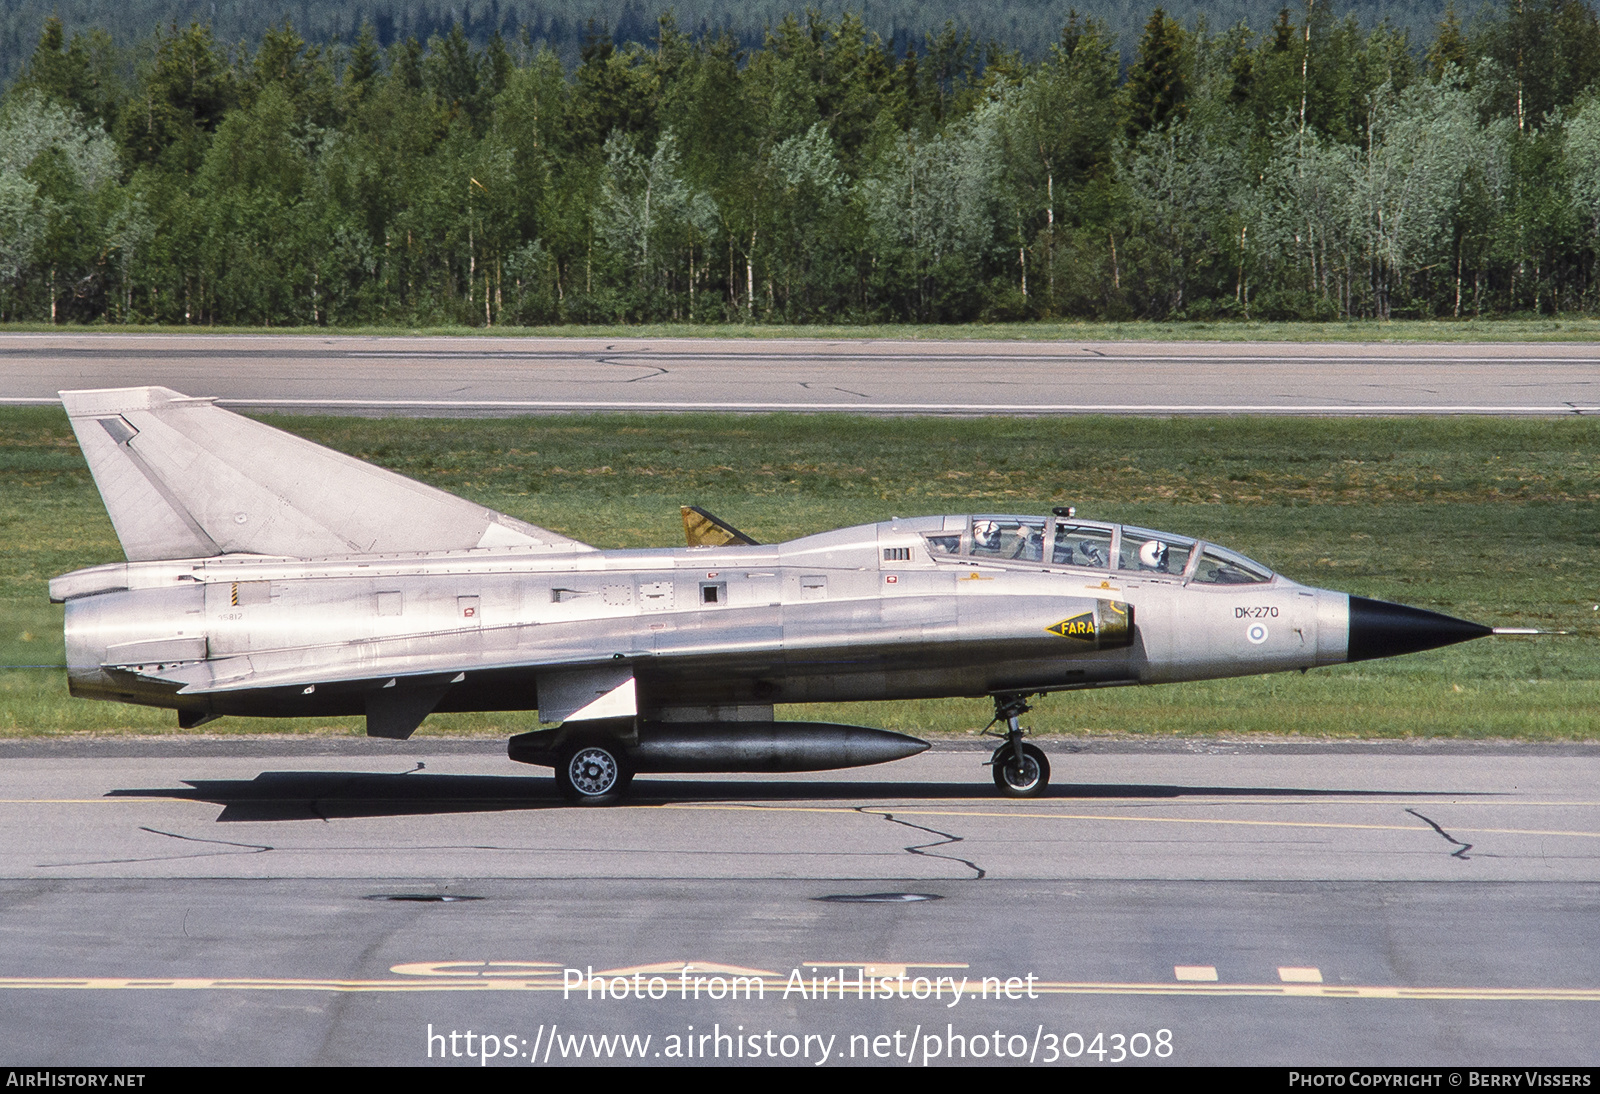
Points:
[(1312, 169), (561, 25)]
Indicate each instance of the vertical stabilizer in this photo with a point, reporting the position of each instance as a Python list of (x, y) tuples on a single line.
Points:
[(183, 478)]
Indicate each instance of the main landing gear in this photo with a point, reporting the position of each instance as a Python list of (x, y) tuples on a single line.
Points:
[(593, 773), (1020, 770)]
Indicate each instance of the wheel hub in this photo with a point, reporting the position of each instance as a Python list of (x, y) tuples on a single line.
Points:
[(1022, 776), (594, 771)]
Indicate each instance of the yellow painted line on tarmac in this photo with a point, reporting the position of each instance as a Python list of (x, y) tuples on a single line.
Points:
[(97, 801), (1187, 801), (1021, 812), (1521, 831), (775, 987), (1331, 798), (1327, 991), (1024, 814), (1236, 802)]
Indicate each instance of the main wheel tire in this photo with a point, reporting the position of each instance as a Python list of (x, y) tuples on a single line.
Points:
[(595, 773), (1029, 780)]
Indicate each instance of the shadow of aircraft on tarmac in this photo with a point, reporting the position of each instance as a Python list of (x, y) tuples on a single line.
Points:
[(329, 795)]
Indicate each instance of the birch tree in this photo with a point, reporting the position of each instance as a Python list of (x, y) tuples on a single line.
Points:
[(810, 230), (1583, 164), (1405, 180), (1180, 181), (647, 213), (931, 208), (57, 190)]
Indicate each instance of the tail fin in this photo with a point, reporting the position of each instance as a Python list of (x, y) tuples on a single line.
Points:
[(182, 478)]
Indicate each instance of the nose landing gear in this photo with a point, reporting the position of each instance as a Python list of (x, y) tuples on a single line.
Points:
[(1020, 770)]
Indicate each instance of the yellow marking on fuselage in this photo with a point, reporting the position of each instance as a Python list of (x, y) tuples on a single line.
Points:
[(1080, 627)]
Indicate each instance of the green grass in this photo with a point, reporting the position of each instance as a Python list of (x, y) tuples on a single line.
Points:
[(1494, 520), (1564, 329)]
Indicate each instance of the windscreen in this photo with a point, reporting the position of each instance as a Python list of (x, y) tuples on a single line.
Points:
[(1221, 567)]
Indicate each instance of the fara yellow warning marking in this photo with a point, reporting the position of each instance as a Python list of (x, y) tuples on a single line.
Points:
[(1080, 627)]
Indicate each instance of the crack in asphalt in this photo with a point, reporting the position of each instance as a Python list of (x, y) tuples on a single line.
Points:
[(809, 384), (656, 375), (253, 848), (246, 848), (923, 849), (1461, 848), (651, 371)]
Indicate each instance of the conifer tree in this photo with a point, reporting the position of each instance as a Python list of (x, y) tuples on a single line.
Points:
[(1156, 89)]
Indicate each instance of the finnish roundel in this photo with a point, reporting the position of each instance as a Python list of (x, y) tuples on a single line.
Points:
[(1257, 633)]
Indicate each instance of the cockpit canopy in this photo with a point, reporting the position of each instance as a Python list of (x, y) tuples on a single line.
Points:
[(1066, 541)]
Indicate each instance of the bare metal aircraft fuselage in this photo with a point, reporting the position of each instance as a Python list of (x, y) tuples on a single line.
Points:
[(820, 619), (667, 660)]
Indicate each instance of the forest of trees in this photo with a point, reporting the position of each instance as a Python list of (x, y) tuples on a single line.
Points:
[(1309, 169), (1029, 26)]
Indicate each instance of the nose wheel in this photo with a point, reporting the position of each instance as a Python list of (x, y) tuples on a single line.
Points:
[(1026, 778), (1020, 770)]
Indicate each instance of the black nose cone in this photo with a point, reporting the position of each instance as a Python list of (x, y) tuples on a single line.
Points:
[(1381, 629)]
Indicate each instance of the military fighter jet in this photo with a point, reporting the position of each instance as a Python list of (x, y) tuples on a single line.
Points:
[(269, 576)]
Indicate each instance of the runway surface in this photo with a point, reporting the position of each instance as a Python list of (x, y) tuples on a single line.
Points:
[(507, 376), (283, 902)]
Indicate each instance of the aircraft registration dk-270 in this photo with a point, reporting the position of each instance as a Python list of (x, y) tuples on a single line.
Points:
[(269, 576)]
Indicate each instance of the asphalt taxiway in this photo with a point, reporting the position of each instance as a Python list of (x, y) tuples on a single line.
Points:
[(333, 901), (508, 376)]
